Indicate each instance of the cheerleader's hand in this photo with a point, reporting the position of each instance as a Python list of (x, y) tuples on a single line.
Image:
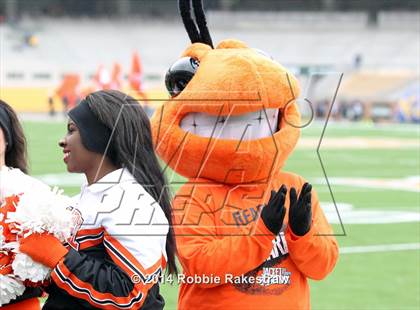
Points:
[(300, 211), (43, 248)]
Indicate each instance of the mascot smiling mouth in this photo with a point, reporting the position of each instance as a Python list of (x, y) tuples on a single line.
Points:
[(249, 126)]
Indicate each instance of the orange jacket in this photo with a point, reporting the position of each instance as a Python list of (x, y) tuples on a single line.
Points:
[(220, 236)]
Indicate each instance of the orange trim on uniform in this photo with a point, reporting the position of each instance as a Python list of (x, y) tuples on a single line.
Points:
[(89, 231), (126, 260), (86, 238), (83, 290)]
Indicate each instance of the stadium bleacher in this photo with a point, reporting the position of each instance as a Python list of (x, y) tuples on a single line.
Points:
[(325, 44), (329, 39)]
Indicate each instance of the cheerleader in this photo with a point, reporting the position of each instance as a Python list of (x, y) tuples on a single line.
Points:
[(13, 176), (125, 239)]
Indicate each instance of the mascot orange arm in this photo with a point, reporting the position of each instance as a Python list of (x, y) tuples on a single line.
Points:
[(230, 126)]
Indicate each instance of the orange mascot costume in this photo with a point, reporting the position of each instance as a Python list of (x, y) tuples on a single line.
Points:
[(248, 234)]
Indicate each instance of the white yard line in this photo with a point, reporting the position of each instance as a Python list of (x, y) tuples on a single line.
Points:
[(369, 127), (350, 215), (380, 248), (362, 143), (410, 183)]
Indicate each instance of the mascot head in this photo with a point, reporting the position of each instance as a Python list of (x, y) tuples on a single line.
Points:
[(233, 116)]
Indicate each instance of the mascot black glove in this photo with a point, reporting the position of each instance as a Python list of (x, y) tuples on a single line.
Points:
[(300, 212), (273, 213)]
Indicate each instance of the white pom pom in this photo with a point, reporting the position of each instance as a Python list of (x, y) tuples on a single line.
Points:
[(39, 210), (10, 288), (43, 211), (27, 269)]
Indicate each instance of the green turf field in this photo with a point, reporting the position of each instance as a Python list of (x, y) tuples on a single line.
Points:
[(370, 179)]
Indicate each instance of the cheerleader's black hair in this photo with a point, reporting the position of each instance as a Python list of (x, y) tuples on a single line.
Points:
[(131, 147), (16, 156)]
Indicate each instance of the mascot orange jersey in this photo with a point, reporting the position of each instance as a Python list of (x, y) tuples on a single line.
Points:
[(229, 128)]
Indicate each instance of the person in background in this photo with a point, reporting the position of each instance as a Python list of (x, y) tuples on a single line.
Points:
[(14, 169)]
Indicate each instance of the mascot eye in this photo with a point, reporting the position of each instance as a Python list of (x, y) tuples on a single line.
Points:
[(179, 74)]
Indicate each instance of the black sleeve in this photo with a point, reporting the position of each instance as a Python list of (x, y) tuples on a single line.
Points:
[(103, 274)]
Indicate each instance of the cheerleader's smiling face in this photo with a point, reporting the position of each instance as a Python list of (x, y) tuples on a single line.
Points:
[(77, 158)]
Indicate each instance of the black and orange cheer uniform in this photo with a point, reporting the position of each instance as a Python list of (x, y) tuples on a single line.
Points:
[(118, 253)]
